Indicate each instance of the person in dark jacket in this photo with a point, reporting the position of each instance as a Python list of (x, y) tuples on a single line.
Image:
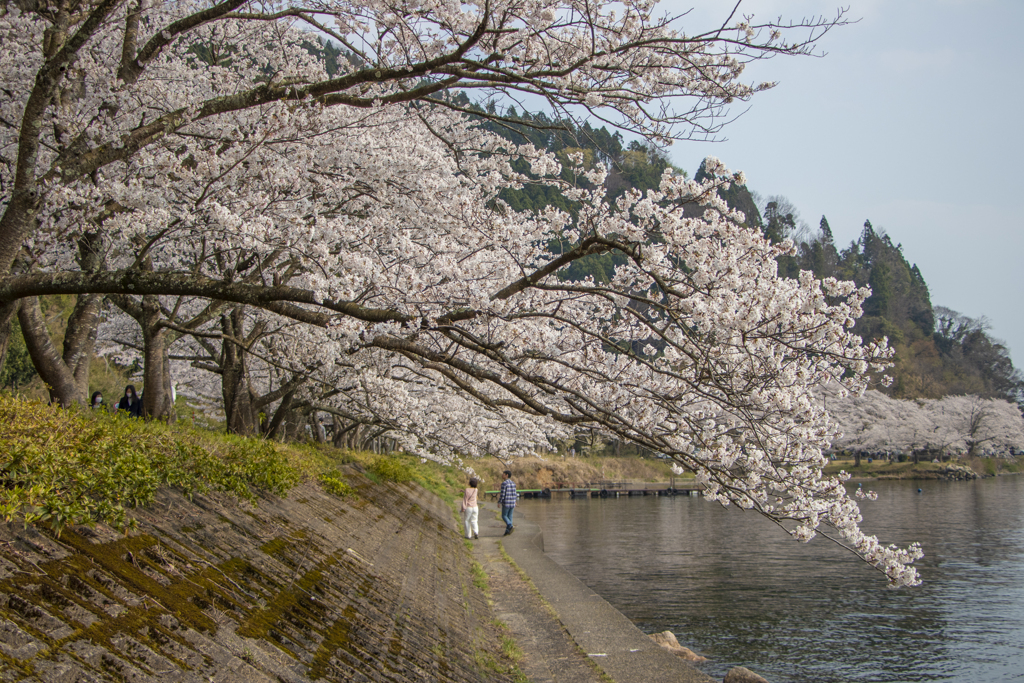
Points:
[(507, 500), (130, 402)]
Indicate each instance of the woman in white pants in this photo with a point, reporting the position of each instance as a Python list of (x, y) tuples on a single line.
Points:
[(470, 511)]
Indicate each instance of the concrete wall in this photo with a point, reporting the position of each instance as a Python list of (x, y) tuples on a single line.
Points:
[(297, 589)]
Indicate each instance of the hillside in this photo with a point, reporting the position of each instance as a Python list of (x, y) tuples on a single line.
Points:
[(938, 351)]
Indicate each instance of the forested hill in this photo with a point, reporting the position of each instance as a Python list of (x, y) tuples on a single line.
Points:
[(939, 352)]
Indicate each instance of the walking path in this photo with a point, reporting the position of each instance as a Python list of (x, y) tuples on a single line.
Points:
[(568, 633)]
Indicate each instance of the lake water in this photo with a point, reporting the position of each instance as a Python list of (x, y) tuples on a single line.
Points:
[(734, 587)]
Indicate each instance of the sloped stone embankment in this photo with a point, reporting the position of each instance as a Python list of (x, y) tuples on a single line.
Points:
[(298, 589)]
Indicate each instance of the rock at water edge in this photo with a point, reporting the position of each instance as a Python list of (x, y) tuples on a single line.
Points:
[(739, 674), (667, 640)]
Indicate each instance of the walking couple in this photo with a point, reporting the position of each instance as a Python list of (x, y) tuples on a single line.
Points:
[(471, 510)]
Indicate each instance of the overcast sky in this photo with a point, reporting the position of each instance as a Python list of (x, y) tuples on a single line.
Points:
[(913, 121)]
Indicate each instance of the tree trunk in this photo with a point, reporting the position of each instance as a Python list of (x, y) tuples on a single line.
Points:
[(279, 421), (319, 434), (67, 375), (156, 397), (348, 436), (239, 408), (7, 315), (80, 338)]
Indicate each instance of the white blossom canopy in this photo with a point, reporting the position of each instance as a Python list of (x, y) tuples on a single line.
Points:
[(203, 151), (953, 425)]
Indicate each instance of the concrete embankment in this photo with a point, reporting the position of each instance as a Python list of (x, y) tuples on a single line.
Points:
[(309, 587), (297, 589)]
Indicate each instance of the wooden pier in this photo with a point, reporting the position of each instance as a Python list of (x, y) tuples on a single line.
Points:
[(607, 489)]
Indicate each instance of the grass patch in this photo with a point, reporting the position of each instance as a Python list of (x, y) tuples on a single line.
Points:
[(510, 649), (335, 485), (885, 469), (386, 468), (485, 660), (479, 577), (75, 466), (537, 473), (926, 469)]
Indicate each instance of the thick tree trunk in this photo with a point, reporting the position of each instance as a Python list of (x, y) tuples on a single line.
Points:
[(51, 368), (282, 417), (67, 375), (157, 402), (239, 408), (80, 337), (319, 433)]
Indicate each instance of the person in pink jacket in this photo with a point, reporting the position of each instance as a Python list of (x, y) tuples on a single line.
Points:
[(470, 510)]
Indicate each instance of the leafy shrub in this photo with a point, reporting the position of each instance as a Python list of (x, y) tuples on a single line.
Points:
[(335, 485), (72, 467), (390, 469)]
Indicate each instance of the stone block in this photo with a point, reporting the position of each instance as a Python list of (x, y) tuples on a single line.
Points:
[(16, 643)]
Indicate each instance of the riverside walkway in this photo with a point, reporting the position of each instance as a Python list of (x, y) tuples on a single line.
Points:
[(568, 633)]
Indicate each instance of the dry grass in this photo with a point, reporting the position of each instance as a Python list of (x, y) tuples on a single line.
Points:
[(537, 473)]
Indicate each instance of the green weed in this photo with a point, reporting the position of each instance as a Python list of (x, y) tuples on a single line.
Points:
[(66, 467), (510, 649), (990, 467), (390, 469), (479, 577), (335, 485)]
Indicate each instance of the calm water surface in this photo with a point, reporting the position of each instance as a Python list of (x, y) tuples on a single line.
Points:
[(734, 587)]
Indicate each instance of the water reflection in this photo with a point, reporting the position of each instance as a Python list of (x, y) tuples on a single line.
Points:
[(731, 586)]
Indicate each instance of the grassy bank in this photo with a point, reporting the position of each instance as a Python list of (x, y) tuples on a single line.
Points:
[(75, 466), (556, 470), (880, 469), (61, 467)]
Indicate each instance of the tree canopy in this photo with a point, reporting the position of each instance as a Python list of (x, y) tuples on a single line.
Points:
[(345, 235)]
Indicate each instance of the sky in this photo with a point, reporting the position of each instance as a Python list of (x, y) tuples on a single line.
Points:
[(911, 120)]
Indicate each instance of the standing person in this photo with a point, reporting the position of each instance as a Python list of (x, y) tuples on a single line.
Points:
[(507, 500), (130, 402), (96, 402), (470, 510)]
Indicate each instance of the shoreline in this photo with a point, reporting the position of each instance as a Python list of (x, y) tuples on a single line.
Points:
[(609, 639)]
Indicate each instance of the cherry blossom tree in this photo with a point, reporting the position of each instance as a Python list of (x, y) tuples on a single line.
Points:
[(953, 425), (209, 160), (977, 426)]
